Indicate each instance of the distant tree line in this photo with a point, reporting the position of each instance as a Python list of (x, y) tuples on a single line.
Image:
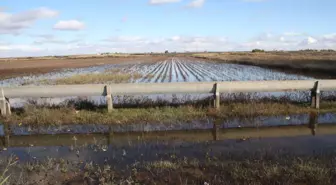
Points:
[(316, 50), (258, 51), (303, 50)]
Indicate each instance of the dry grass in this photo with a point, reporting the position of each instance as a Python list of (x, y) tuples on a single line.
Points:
[(114, 77), (4, 177), (10, 68), (86, 113), (316, 64), (271, 56), (286, 170)]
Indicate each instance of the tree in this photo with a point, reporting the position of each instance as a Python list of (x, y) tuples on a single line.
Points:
[(257, 51)]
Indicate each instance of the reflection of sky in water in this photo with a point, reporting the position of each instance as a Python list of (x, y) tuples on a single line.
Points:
[(128, 153)]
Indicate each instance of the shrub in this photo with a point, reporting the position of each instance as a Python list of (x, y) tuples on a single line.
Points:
[(257, 51)]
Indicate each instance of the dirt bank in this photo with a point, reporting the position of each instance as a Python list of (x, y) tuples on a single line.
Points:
[(14, 68), (316, 64)]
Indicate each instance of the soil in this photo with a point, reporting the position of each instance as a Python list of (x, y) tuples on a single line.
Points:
[(14, 68), (315, 64)]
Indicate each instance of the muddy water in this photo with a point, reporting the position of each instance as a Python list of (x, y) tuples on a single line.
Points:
[(254, 122), (128, 145)]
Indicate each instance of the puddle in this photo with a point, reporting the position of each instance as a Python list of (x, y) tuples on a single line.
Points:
[(128, 144), (260, 121), (127, 152)]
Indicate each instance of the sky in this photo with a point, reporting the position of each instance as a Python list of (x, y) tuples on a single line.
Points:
[(66, 27)]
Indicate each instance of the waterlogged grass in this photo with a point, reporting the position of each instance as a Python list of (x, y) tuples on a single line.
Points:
[(4, 176), (95, 78), (98, 78), (286, 170), (88, 114), (256, 172)]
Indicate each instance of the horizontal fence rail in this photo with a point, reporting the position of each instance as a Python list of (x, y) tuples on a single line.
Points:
[(215, 88)]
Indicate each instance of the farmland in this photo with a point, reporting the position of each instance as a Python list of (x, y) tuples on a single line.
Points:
[(183, 70), (174, 69), (170, 139), (320, 64)]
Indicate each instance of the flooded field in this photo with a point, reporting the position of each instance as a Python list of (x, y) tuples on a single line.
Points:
[(169, 70)]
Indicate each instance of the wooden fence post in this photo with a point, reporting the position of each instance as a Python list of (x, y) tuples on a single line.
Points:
[(3, 102), (216, 96), (109, 98), (8, 107), (315, 95)]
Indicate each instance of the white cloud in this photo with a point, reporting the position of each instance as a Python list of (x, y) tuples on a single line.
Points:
[(157, 2), (125, 39), (52, 45), (196, 3), (69, 25), (15, 23), (19, 47), (308, 41), (311, 40), (329, 38)]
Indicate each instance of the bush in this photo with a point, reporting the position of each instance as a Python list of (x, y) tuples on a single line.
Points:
[(327, 50), (257, 51)]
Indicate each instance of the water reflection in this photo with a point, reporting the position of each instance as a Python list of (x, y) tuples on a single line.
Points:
[(122, 148), (260, 121), (217, 132)]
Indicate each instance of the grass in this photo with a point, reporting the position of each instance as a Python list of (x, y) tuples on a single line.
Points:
[(162, 164), (255, 172), (317, 64), (286, 170), (115, 77), (4, 178), (86, 112)]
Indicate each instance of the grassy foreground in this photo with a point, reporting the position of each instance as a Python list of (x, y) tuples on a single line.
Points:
[(85, 113), (286, 170)]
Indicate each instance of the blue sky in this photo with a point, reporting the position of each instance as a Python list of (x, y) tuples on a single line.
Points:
[(40, 27)]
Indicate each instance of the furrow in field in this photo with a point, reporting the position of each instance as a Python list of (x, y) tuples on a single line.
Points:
[(171, 71), (165, 74), (190, 76), (181, 70), (175, 72), (150, 74), (191, 72), (221, 73), (206, 71), (198, 73), (184, 69), (203, 73), (160, 72)]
